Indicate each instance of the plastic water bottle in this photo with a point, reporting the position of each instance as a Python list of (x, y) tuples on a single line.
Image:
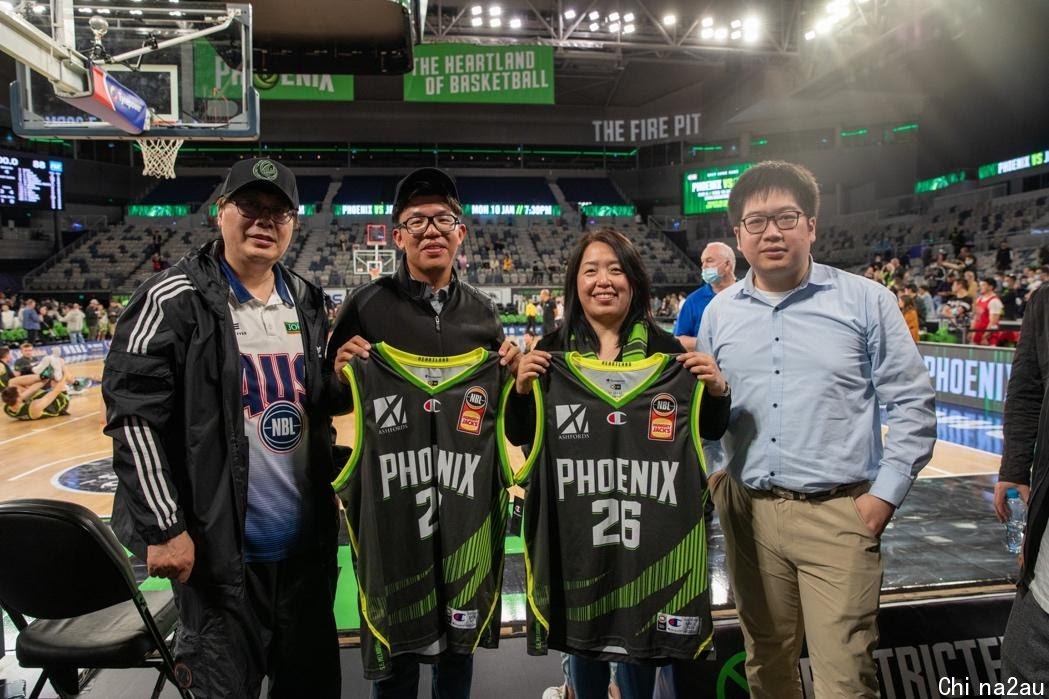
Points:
[(1014, 526)]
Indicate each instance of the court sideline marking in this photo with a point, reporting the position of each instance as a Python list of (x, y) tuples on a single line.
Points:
[(68, 458), (38, 430)]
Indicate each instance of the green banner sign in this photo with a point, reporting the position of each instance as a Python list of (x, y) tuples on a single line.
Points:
[(599, 210), (706, 191), (304, 209), (213, 77), (940, 182), (1020, 163), (158, 210), (481, 74), (511, 209)]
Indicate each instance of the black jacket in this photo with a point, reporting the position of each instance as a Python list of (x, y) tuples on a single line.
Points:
[(1025, 458), (396, 310), (520, 410), (172, 387)]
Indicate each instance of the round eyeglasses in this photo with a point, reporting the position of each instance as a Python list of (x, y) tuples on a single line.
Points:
[(417, 225)]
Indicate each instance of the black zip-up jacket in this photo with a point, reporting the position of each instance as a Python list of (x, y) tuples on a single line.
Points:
[(172, 387), (397, 310), (1025, 458)]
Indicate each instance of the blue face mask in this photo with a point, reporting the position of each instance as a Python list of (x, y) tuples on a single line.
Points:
[(710, 275)]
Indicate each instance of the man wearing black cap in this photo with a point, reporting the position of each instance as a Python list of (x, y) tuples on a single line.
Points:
[(218, 400), (423, 309)]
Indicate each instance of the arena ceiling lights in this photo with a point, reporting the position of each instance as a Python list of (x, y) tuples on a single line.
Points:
[(837, 14), (625, 30)]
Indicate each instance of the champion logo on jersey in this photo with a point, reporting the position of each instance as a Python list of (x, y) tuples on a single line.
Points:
[(678, 625), (389, 414), (571, 421), (662, 417), (432, 406), (471, 414), (462, 618), (280, 427), (617, 417)]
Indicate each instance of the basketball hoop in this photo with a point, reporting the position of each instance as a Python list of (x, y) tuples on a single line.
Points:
[(158, 156)]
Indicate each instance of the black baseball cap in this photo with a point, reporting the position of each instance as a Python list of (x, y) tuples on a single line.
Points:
[(422, 182), (264, 174)]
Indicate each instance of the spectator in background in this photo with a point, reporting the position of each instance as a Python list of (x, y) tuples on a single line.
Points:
[(910, 315), (987, 311), (549, 307), (1012, 302), (47, 324), (972, 286), (719, 273), (530, 314), (508, 263), (958, 308), (8, 317), (1043, 257), (112, 313), (74, 321), (957, 242), (967, 261), (91, 319), (1003, 259), (31, 321), (926, 304)]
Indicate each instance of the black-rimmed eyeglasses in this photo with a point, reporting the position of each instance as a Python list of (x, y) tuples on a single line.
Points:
[(254, 210), (785, 221), (417, 225)]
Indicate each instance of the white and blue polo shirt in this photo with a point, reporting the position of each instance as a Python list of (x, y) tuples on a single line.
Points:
[(273, 392)]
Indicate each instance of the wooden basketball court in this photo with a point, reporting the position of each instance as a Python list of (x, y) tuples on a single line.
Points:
[(36, 453)]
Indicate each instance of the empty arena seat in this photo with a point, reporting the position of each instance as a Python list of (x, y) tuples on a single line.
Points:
[(596, 190)]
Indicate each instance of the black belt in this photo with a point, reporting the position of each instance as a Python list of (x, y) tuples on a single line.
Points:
[(836, 491)]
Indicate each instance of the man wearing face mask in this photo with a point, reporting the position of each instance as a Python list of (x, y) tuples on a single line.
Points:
[(719, 268)]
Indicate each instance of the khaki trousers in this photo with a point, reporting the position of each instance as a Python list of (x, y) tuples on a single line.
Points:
[(802, 569)]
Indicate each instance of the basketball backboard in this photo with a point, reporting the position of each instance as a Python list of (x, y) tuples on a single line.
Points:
[(186, 60)]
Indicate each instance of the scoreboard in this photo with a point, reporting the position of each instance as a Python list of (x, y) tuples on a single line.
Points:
[(706, 191), (30, 181)]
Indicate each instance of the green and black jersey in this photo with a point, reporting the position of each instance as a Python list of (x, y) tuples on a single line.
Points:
[(615, 541), (426, 500), (59, 406)]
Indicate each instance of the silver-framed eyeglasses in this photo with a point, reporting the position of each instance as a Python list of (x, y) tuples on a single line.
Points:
[(255, 211), (785, 221), (416, 225)]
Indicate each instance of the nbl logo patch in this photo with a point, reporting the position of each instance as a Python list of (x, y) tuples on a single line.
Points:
[(462, 618), (571, 421), (662, 417), (471, 414), (280, 427), (389, 414), (677, 625)]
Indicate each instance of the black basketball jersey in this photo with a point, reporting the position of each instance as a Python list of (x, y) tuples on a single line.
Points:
[(615, 540), (426, 501)]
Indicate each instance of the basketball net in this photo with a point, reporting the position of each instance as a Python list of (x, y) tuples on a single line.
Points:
[(158, 156)]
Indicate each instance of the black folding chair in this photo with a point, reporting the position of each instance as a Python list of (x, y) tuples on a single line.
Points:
[(62, 566)]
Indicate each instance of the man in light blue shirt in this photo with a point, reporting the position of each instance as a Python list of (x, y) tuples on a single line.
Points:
[(809, 352)]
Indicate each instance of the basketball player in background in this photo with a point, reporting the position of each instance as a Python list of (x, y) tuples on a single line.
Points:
[(218, 401), (423, 309)]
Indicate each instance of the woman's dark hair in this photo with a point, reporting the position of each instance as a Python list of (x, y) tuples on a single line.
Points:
[(9, 395), (575, 322)]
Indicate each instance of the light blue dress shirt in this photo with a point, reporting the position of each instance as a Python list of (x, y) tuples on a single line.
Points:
[(807, 375)]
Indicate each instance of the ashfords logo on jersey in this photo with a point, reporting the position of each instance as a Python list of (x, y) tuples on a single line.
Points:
[(281, 427)]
